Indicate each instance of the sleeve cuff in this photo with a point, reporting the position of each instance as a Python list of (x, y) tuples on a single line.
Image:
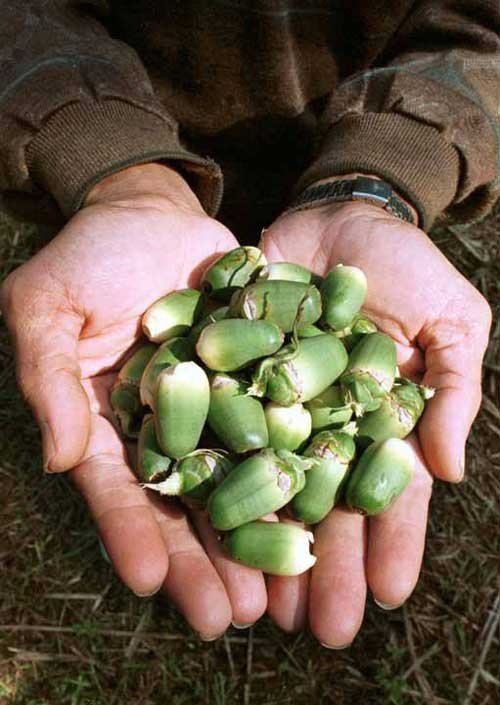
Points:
[(82, 143), (414, 158)]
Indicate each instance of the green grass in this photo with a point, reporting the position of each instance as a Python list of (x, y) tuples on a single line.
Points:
[(77, 637)]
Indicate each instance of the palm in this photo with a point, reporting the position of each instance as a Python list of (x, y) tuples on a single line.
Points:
[(91, 285), (146, 538), (114, 262), (416, 297)]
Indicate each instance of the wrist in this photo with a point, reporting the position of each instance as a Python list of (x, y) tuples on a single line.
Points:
[(354, 175), (144, 181)]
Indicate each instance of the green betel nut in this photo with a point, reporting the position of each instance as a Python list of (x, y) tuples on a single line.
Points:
[(132, 370), (359, 327), (333, 451), (285, 303), (285, 271), (274, 548), (170, 353), (288, 426), (381, 475), (182, 397), (317, 364), (309, 331), (232, 344), (217, 314), (152, 464), (236, 418), (398, 413), (343, 292), (173, 315), (232, 271), (370, 372), (124, 397), (195, 476), (328, 410), (126, 404), (259, 485)]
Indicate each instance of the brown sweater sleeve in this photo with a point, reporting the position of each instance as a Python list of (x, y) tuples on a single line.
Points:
[(76, 105), (426, 117)]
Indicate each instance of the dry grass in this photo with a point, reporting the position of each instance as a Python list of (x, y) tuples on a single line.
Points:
[(71, 634)]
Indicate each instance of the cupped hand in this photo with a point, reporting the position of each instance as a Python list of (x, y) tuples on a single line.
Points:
[(440, 324), (74, 311)]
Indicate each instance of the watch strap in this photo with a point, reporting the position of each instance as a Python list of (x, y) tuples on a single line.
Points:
[(363, 188)]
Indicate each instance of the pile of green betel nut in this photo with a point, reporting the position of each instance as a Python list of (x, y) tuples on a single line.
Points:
[(278, 374)]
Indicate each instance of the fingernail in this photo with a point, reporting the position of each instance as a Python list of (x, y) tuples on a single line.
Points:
[(242, 626), (148, 594), (48, 446), (388, 608), (335, 648), (205, 637), (461, 465)]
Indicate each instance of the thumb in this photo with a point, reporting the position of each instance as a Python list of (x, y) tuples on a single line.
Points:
[(45, 335), (453, 359)]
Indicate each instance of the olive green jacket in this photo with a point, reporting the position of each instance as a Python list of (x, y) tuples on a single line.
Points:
[(265, 96)]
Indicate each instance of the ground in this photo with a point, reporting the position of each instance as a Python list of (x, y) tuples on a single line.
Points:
[(71, 634)]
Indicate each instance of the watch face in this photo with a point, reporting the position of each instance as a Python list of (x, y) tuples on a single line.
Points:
[(378, 192)]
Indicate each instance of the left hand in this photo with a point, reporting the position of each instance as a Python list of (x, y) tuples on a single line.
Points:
[(440, 324)]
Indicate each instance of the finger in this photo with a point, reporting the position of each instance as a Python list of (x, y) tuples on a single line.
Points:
[(338, 583), (192, 583), (288, 596), (396, 541), (288, 601), (279, 245), (45, 336), (410, 361), (121, 509), (245, 586), (453, 360)]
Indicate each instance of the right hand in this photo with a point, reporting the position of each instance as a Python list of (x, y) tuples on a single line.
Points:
[(73, 311)]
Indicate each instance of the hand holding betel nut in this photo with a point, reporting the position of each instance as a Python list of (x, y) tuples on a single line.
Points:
[(90, 299)]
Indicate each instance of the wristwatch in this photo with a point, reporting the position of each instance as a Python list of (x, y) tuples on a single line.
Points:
[(362, 188)]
